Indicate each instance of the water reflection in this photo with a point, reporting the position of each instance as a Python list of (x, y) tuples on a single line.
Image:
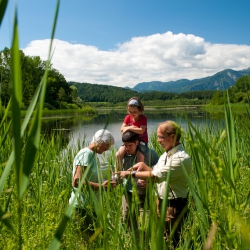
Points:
[(83, 128)]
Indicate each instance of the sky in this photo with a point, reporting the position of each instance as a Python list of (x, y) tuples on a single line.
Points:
[(125, 42)]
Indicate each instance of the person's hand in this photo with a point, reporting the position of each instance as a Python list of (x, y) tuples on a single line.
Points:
[(123, 174), (77, 177), (141, 166), (106, 183), (125, 129), (138, 166), (141, 183), (113, 183)]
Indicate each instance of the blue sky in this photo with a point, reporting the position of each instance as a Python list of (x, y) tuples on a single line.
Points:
[(124, 42)]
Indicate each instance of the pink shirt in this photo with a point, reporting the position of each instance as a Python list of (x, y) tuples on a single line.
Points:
[(128, 120)]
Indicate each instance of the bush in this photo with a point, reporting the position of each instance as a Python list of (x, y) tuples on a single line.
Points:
[(48, 106), (72, 106), (239, 96)]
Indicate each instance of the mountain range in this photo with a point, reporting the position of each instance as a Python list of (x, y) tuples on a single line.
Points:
[(219, 81)]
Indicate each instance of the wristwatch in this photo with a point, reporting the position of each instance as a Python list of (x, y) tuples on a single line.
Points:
[(133, 173)]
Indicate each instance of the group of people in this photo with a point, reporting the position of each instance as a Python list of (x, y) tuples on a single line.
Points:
[(136, 163)]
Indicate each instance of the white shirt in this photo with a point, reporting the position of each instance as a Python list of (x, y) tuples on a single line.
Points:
[(171, 162)]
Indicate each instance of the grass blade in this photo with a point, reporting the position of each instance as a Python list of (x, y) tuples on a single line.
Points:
[(5, 133), (5, 115), (16, 90), (34, 135), (6, 171), (5, 220), (232, 156), (3, 6)]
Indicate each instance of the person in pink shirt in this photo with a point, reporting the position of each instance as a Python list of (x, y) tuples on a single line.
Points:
[(136, 122)]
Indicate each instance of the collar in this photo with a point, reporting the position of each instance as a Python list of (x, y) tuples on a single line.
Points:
[(133, 154), (174, 150)]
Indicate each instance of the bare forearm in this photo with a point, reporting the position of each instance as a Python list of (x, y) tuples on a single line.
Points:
[(144, 175), (135, 129), (139, 174), (94, 185), (141, 166)]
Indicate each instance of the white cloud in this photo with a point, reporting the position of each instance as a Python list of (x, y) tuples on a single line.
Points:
[(159, 57)]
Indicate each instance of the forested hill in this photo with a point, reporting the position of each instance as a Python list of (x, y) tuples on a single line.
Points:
[(102, 93), (201, 89), (219, 81), (105, 93)]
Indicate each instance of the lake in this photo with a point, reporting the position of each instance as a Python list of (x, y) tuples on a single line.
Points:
[(80, 128)]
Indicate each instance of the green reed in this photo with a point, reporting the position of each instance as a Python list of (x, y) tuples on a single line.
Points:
[(219, 197), (35, 184), (22, 160), (221, 208)]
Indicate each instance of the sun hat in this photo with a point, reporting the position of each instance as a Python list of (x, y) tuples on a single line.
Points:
[(134, 102), (103, 135)]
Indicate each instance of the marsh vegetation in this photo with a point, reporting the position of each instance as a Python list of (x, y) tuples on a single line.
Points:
[(35, 184)]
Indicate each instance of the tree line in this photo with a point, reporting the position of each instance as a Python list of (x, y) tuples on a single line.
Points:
[(239, 93), (104, 94), (58, 93)]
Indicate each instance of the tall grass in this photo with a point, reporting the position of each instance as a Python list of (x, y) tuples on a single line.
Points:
[(221, 197), (219, 203), (35, 185)]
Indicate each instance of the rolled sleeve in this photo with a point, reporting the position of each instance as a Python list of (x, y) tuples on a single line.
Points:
[(160, 168), (157, 173), (172, 164)]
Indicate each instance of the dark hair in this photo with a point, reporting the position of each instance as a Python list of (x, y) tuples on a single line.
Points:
[(130, 136), (140, 107)]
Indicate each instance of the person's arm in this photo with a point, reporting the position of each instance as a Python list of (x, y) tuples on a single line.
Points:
[(123, 127), (94, 185), (174, 165), (141, 126), (104, 185), (135, 129), (142, 171), (137, 174), (141, 166), (141, 183), (77, 176)]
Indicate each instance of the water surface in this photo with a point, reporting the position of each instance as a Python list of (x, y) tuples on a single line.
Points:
[(83, 128)]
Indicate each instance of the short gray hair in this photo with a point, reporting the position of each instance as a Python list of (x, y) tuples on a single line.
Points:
[(103, 135)]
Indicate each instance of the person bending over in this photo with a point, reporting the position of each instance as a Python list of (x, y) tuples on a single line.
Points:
[(86, 162)]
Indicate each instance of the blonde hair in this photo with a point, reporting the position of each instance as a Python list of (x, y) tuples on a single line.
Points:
[(169, 128)]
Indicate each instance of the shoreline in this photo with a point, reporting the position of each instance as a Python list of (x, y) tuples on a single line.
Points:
[(123, 110)]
